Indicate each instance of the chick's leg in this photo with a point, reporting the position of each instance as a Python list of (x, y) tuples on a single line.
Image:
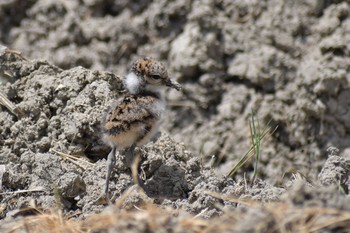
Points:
[(110, 164), (129, 155)]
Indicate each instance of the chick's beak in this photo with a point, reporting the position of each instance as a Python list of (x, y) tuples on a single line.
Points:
[(173, 84)]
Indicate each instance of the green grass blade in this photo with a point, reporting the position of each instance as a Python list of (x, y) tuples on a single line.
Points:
[(256, 136)]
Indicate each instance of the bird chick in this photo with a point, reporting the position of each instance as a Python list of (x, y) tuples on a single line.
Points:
[(134, 119)]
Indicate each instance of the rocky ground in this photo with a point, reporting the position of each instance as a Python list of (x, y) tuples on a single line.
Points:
[(62, 64)]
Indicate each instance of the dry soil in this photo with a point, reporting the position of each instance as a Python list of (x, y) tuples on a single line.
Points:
[(286, 61)]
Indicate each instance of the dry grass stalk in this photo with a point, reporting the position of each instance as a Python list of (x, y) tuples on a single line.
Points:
[(5, 50), (46, 222), (77, 161), (10, 106), (38, 189), (280, 217)]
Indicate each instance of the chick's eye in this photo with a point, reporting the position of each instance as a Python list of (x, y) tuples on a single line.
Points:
[(155, 76)]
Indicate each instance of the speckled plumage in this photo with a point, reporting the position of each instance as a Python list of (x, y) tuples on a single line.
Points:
[(134, 119)]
